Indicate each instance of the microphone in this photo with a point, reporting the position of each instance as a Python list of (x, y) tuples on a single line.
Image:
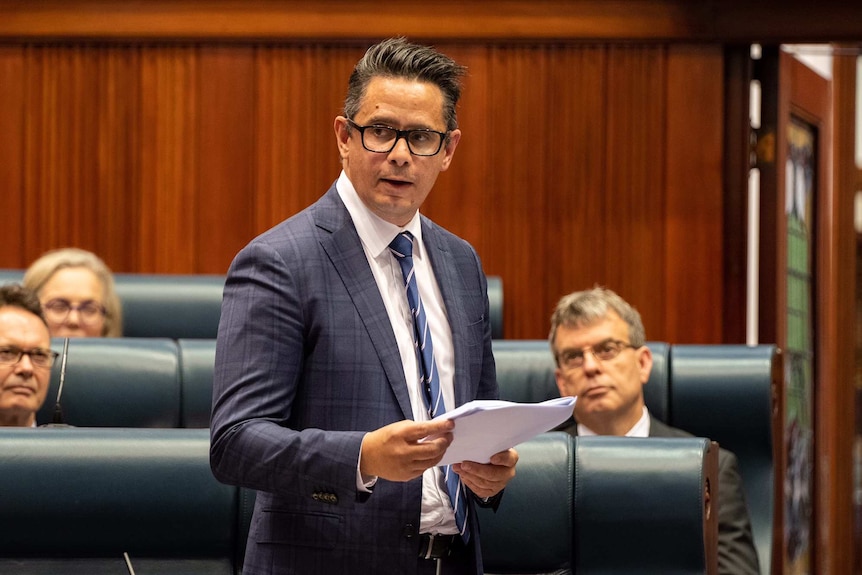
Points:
[(57, 420), (128, 563)]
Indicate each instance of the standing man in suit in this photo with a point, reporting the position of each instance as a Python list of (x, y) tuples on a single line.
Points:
[(598, 339), (25, 356), (317, 401)]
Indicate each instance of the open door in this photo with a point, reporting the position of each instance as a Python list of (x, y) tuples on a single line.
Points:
[(801, 308)]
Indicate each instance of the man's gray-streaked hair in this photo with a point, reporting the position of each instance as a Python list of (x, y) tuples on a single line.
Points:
[(398, 58), (582, 308)]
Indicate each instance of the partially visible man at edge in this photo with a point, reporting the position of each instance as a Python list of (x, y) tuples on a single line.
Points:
[(597, 339), (318, 396), (25, 356)]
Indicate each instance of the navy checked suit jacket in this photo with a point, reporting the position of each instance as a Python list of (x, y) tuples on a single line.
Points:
[(306, 363)]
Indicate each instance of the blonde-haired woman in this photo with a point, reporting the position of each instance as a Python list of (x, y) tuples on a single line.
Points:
[(77, 292)]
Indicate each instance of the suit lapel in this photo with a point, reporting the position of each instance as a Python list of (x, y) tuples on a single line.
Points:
[(344, 249), (449, 282)]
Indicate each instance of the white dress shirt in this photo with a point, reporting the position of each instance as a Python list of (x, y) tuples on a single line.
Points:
[(437, 515)]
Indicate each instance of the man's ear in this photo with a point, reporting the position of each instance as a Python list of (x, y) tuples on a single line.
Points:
[(644, 358), (342, 135)]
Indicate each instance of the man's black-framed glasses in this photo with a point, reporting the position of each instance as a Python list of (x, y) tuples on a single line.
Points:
[(44, 358), (382, 139), (602, 351)]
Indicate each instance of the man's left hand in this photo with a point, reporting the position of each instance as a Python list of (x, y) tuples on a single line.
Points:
[(488, 479)]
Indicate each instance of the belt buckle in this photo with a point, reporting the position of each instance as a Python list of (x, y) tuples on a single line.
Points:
[(438, 546)]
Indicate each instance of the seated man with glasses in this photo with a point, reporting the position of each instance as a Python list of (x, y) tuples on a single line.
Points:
[(77, 292), (598, 339), (25, 356)]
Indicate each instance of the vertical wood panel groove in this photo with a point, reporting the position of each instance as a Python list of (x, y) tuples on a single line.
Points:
[(577, 165)]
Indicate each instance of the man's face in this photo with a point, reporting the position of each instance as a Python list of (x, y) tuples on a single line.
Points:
[(609, 392), (393, 185), (23, 386)]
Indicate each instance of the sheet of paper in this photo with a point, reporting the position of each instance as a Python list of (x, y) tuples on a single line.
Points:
[(485, 427)]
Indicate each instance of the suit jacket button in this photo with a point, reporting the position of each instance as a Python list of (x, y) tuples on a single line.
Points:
[(409, 531)]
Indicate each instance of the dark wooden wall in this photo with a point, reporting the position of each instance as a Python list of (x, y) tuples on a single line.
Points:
[(165, 134), (579, 164)]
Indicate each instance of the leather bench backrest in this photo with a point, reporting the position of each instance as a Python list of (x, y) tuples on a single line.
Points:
[(83, 497), (495, 306), (197, 362), (116, 382), (725, 392), (189, 305), (641, 505), (157, 305), (531, 532)]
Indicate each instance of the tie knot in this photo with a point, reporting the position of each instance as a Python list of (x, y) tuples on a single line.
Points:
[(402, 245)]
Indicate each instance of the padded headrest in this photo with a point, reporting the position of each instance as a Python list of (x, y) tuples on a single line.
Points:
[(657, 388), (116, 382), (495, 304), (519, 538), (161, 305), (100, 492), (725, 392), (525, 370), (197, 362), (623, 482)]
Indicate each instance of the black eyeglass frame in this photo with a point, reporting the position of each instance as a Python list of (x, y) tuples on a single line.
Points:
[(50, 354), (399, 134)]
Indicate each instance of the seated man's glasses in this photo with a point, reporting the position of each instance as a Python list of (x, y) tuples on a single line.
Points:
[(43, 358), (602, 351), (382, 139), (57, 310)]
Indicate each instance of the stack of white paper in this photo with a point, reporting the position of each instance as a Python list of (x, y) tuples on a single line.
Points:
[(486, 427)]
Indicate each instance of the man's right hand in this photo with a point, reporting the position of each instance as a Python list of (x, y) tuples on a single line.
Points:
[(396, 452)]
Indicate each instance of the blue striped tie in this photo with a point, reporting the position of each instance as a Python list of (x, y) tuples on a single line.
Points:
[(402, 248)]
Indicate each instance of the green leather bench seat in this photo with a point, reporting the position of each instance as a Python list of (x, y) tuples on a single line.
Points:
[(79, 498)]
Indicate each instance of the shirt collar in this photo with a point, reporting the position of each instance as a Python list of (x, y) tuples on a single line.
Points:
[(374, 232), (640, 429)]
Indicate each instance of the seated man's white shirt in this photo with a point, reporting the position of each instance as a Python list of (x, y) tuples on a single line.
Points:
[(640, 429)]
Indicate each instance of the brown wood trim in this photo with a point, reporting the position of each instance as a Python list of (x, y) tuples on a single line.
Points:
[(300, 20), (836, 283), (737, 150)]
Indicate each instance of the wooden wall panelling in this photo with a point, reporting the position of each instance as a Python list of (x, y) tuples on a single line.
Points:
[(299, 92), (226, 193), (737, 163), (576, 250), (596, 20), (192, 149), (168, 146), (694, 194), (633, 229), (67, 119), (117, 188), (12, 117), (519, 180)]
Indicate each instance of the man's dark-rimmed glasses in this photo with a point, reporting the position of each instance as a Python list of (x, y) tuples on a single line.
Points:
[(382, 139)]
